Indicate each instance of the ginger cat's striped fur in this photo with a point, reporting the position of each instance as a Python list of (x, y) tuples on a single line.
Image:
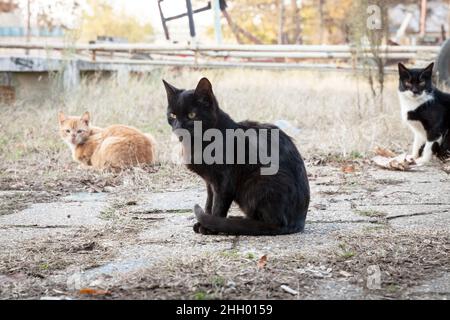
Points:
[(113, 148)]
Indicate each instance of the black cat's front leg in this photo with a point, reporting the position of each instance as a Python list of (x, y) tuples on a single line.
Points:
[(209, 199), (222, 203), (208, 206)]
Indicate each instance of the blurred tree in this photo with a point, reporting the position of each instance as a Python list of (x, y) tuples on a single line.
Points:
[(291, 21), (103, 20), (281, 21), (372, 37), (55, 13), (335, 20), (297, 21), (8, 6), (326, 21), (256, 17)]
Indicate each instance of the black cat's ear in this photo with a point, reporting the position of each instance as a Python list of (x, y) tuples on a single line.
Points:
[(403, 71), (170, 90), (428, 71), (204, 89)]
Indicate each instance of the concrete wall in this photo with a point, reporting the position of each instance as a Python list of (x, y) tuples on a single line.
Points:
[(25, 85), (30, 85)]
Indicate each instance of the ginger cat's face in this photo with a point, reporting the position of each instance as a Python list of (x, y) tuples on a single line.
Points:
[(74, 130)]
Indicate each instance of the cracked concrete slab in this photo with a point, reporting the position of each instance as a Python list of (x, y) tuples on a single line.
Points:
[(169, 201), (437, 288), (342, 204), (58, 214)]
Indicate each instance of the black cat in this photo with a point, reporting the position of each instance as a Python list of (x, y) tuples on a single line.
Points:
[(426, 110), (273, 204)]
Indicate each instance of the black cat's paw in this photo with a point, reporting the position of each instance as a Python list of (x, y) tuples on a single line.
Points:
[(196, 227), (206, 231)]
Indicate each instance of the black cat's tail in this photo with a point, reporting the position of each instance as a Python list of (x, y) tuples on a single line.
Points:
[(240, 226)]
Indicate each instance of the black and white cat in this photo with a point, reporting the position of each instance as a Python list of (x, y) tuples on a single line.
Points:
[(426, 110)]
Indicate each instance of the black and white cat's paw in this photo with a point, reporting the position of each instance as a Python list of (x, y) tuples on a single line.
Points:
[(420, 162), (411, 158)]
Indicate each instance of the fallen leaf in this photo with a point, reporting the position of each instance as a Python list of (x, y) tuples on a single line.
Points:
[(348, 169), (94, 292), (400, 163), (384, 152), (262, 261)]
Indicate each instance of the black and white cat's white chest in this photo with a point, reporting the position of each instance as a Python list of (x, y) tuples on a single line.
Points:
[(410, 104)]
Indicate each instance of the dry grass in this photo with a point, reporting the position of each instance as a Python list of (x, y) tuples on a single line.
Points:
[(334, 111), (26, 269), (404, 258)]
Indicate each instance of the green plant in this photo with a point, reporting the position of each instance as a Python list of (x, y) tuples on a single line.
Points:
[(200, 295)]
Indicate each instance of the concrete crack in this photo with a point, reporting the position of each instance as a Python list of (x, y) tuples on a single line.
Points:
[(415, 214), (35, 226)]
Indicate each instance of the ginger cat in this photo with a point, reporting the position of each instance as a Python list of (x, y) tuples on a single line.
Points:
[(113, 148)]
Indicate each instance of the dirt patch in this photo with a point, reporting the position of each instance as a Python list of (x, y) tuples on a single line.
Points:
[(70, 178), (227, 275), (14, 201), (63, 180), (20, 188), (27, 269), (404, 260)]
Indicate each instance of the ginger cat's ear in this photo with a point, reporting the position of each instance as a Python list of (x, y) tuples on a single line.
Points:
[(86, 117), (61, 117)]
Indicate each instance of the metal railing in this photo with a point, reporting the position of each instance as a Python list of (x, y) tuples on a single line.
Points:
[(254, 56)]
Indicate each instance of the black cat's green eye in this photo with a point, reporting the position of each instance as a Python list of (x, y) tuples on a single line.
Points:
[(172, 116), (191, 115), (407, 83), (422, 83)]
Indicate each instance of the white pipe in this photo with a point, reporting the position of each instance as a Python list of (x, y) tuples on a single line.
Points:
[(401, 31), (253, 48)]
